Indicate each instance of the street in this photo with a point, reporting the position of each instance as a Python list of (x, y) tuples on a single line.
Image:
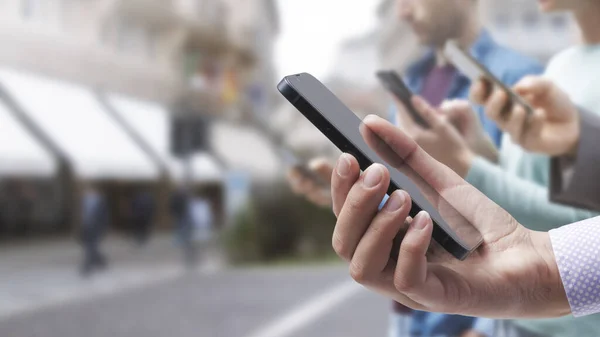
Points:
[(162, 299)]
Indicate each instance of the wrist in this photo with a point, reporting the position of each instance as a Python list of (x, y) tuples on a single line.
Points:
[(554, 300)]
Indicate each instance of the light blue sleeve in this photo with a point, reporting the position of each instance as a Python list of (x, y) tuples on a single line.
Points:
[(392, 116), (525, 200), (485, 326), (382, 203)]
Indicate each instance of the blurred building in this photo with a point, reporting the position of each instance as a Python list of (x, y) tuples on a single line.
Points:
[(397, 44), (519, 24), (255, 26), (391, 45), (89, 90)]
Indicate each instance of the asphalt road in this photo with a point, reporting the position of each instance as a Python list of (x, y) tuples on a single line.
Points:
[(256, 302)]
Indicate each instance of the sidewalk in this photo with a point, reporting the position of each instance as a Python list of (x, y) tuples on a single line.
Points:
[(40, 275)]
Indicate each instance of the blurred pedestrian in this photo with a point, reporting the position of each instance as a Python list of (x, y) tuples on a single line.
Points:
[(181, 211), (202, 217), (95, 220), (142, 213)]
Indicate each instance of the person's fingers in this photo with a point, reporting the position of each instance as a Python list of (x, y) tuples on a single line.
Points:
[(322, 168), (320, 197), (405, 120), (533, 130), (496, 107), (479, 92), (454, 194), (459, 113), (534, 87), (428, 113), (515, 124), (344, 176), (411, 268), (373, 251), (297, 181), (360, 208)]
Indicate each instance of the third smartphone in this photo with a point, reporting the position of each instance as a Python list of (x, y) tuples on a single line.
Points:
[(396, 86)]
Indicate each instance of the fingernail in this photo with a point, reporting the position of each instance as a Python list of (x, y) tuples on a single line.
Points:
[(421, 220), (373, 176), (343, 167), (395, 202)]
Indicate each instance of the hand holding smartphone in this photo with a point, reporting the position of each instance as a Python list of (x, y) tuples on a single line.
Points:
[(344, 129), (468, 65), (396, 86), (287, 155)]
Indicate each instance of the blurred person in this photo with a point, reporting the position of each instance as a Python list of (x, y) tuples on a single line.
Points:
[(518, 180), (562, 130), (142, 213), (435, 22), (26, 196), (95, 219), (514, 273), (181, 211), (202, 217)]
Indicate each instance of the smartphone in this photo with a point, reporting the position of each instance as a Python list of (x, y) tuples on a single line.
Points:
[(344, 129), (468, 65), (287, 155), (395, 85)]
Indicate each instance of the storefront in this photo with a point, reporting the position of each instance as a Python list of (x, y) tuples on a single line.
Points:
[(94, 146), (151, 122), (29, 195)]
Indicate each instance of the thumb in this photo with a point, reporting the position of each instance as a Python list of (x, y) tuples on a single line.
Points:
[(544, 94), (535, 88), (458, 112)]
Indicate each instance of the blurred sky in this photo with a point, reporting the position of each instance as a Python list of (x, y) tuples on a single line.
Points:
[(312, 31)]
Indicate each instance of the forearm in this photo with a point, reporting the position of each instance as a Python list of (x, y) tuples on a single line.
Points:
[(525, 200)]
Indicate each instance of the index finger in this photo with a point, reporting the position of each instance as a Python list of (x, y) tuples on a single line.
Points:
[(459, 204), (480, 91)]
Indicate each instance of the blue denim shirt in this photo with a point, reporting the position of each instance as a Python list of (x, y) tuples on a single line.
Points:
[(509, 66), (506, 64)]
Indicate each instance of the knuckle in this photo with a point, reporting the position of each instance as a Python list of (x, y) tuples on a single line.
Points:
[(353, 204), (340, 247), (403, 284), (358, 273), (409, 249)]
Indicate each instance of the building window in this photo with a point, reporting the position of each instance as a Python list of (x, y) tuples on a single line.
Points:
[(502, 21), (531, 20), (135, 39), (47, 12), (29, 8), (559, 22)]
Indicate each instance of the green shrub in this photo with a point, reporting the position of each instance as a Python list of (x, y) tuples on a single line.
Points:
[(278, 225)]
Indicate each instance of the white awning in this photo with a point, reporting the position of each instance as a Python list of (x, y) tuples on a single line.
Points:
[(71, 115), (20, 153), (151, 121), (245, 149)]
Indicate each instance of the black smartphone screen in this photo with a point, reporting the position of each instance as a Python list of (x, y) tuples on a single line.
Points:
[(342, 127), (396, 86)]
